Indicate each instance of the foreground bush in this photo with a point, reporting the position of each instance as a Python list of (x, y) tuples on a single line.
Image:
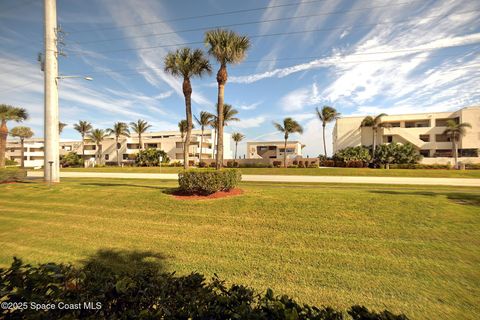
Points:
[(356, 155), (146, 293), (150, 157), (12, 175), (72, 160), (205, 182)]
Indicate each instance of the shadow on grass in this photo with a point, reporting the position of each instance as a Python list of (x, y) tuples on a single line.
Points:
[(100, 184), (125, 261), (457, 197)]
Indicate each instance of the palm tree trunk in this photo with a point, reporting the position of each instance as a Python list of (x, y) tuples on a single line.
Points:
[(140, 147), (201, 146), (324, 143), (118, 155), (222, 80), (3, 142), (374, 130), (236, 146), (22, 153), (187, 92), (285, 153), (83, 150), (455, 151)]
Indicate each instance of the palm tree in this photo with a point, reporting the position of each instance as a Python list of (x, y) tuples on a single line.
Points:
[(22, 133), (229, 114), (374, 123), (140, 127), (8, 113), (237, 137), (119, 129), (203, 121), (187, 63), (83, 127), (61, 126), (97, 136), (289, 126), (455, 131), (326, 115), (228, 48)]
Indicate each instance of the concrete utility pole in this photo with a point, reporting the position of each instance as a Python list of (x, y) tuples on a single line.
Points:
[(51, 134)]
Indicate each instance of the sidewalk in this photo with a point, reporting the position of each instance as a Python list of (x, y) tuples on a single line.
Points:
[(460, 182)]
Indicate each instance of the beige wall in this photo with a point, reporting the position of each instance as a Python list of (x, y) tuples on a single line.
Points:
[(347, 133), (272, 149)]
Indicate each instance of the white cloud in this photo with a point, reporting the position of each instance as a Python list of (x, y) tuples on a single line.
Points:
[(246, 123), (297, 99), (251, 106)]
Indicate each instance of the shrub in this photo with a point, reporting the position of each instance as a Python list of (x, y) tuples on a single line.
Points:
[(202, 164), (150, 157), (355, 164), (71, 159), (359, 153), (9, 162), (396, 153), (277, 164), (147, 293), (213, 165), (472, 166), (208, 182), (229, 164), (235, 164), (12, 175), (327, 163)]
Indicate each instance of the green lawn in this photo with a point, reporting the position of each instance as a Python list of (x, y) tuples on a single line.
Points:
[(437, 173), (409, 249)]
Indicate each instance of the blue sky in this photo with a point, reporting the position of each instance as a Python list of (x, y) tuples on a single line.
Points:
[(362, 57)]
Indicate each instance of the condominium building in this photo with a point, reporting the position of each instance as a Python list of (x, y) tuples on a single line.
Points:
[(169, 141), (423, 130), (273, 149)]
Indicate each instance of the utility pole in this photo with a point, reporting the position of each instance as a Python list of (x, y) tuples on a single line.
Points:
[(51, 134)]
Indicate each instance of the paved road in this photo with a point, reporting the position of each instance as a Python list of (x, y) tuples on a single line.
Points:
[(281, 178)]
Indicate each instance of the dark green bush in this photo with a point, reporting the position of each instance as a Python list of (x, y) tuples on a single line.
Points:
[(202, 164), (359, 153), (327, 163), (12, 175), (150, 157), (355, 164), (419, 166), (472, 166), (206, 182), (72, 160), (256, 165), (9, 162), (277, 164), (144, 292)]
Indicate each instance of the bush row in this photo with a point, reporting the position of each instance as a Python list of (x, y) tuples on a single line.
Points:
[(12, 175), (146, 293), (205, 182)]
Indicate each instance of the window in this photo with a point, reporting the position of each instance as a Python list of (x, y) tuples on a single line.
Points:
[(417, 124), (151, 145), (107, 157), (468, 152), (446, 153), (289, 150), (132, 145), (179, 145), (392, 124), (425, 137), (425, 153), (272, 148), (443, 122), (441, 138), (262, 148), (388, 139)]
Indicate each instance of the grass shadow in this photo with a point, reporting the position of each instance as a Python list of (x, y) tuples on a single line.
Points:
[(457, 197), (414, 193), (103, 184)]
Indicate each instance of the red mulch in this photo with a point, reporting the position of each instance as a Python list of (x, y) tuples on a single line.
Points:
[(216, 195)]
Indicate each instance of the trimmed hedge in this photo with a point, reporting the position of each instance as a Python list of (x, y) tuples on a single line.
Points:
[(144, 292), (12, 175), (205, 182)]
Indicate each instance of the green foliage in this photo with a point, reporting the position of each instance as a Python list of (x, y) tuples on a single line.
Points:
[(71, 160), (150, 157), (9, 162), (206, 182), (147, 293), (12, 175), (359, 153), (396, 153), (232, 164)]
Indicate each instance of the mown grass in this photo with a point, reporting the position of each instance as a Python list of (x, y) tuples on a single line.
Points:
[(431, 173), (408, 249)]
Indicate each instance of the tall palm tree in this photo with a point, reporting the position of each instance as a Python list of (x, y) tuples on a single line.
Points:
[(97, 136), (140, 127), (326, 115), (203, 121), (289, 126), (84, 128), (455, 131), (226, 47), (8, 113), (187, 63), (119, 129), (61, 126), (237, 137), (22, 133), (374, 123)]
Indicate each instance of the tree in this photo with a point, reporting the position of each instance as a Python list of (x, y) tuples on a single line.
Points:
[(203, 121), (455, 131), (289, 126), (22, 133), (119, 129), (8, 113), (61, 126), (84, 128), (237, 137), (97, 136), (140, 127), (326, 115), (187, 63), (183, 128), (226, 47), (150, 157), (374, 123), (229, 114), (396, 153)]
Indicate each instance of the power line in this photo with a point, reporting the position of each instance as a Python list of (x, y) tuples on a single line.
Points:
[(79, 52), (247, 23)]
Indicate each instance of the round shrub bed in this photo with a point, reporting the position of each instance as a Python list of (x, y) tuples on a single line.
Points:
[(205, 182)]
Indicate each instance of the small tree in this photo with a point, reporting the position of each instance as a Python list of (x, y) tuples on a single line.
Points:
[(119, 129), (374, 123), (150, 157), (97, 136), (237, 137), (289, 126), (71, 159), (455, 131), (140, 127), (8, 113), (326, 115), (84, 128), (203, 121), (22, 133)]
